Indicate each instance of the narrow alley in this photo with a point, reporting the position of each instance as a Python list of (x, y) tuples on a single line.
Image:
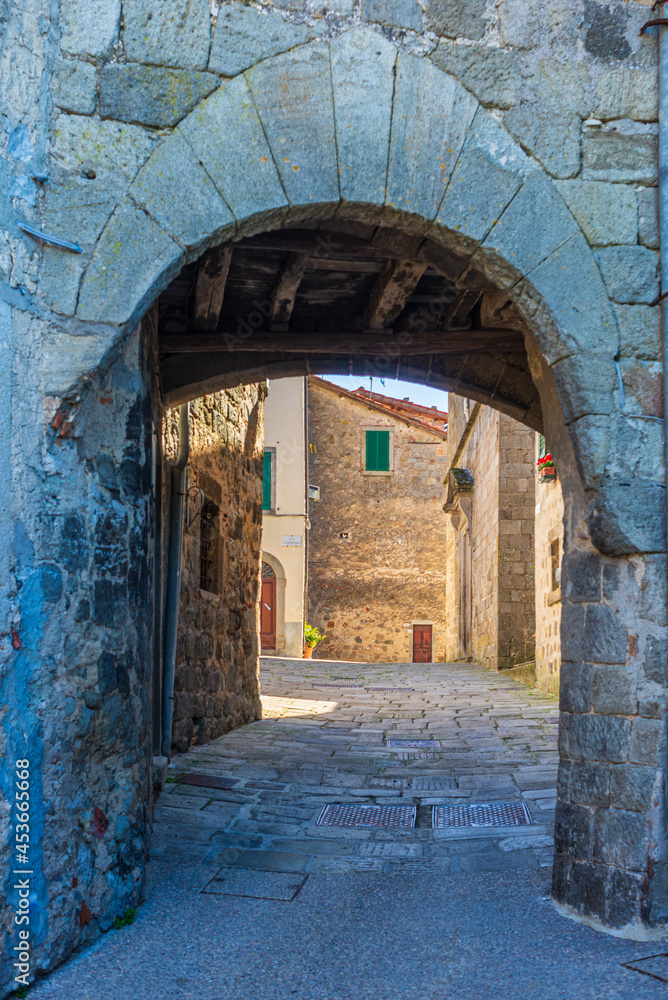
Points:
[(408, 903)]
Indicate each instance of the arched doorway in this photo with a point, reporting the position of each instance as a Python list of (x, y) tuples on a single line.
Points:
[(268, 609), (433, 184)]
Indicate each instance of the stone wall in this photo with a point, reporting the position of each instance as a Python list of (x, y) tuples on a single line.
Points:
[(549, 541), (498, 454), (216, 684), (376, 542)]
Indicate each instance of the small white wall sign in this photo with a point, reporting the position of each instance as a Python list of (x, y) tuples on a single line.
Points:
[(292, 541)]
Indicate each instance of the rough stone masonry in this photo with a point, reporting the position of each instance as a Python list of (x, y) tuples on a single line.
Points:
[(521, 136)]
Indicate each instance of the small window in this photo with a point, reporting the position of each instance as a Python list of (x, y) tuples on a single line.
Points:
[(268, 480), (209, 538), (555, 565), (542, 450), (377, 451)]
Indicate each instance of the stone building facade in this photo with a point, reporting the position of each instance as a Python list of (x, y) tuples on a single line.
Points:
[(375, 557), (489, 549), (514, 150), (216, 682)]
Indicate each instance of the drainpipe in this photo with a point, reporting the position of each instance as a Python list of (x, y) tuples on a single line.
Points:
[(177, 512)]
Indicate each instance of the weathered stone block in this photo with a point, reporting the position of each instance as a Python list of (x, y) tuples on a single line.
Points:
[(553, 138), (245, 36), (648, 222), (654, 590), (451, 19), (621, 838), (627, 518), (586, 384), (640, 331), (563, 86), (75, 86), (631, 274), (615, 156), (632, 787), (605, 638), (477, 195), (647, 741), (572, 627), (293, 97), (583, 573), (132, 258), (398, 13), (226, 129), (422, 157), (656, 660), (489, 73), (575, 687), (89, 27), (151, 95), (613, 691), (627, 92), (605, 31), (170, 33), (199, 215), (606, 213), (598, 737), (363, 64), (574, 830), (584, 784)]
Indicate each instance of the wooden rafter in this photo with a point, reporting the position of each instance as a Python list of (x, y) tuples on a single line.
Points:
[(286, 289), (212, 274), (395, 285)]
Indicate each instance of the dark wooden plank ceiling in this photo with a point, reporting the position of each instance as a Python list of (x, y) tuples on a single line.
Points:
[(323, 301)]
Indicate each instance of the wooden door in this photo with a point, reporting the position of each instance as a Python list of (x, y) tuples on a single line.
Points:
[(422, 644), (268, 608)]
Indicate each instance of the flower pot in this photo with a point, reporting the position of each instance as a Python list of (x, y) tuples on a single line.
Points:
[(308, 652), (548, 473)]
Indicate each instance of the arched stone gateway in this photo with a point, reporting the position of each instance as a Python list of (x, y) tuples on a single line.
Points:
[(356, 143)]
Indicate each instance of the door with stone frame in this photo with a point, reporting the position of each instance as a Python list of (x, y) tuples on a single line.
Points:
[(422, 644), (268, 608)]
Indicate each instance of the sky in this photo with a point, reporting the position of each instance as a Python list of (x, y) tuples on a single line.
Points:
[(421, 394)]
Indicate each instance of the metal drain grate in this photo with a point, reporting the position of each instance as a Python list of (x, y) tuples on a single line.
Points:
[(207, 781), (655, 966), (351, 687), (351, 815), (413, 744), (254, 883), (484, 814), (390, 689)]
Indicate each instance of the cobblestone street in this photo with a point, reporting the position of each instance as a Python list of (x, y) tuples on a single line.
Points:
[(249, 897)]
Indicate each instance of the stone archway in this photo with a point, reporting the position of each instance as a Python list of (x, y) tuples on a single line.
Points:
[(296, 141)]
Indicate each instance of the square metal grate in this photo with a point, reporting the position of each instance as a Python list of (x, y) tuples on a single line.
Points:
[(207, 781), (353, 815), (484, 814), (655, 966), (414, 744)]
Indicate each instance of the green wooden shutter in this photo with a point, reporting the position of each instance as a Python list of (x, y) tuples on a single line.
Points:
[(377, 451), (266, 481)]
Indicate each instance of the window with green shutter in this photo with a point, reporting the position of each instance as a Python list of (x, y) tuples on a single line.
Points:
[(377, 451), (266, 481)]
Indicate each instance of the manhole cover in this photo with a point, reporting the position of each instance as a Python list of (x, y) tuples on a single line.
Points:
[(344, 815), (414, 744), (485, 814), (207, 781), (655, 966), (390, 689), (258, 884)]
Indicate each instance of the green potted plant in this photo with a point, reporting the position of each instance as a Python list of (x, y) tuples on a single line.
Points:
[(546, 469), (312, 637)]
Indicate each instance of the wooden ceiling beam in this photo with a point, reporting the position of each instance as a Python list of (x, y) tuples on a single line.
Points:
[(212, 272), (394, 287), (285, 293)]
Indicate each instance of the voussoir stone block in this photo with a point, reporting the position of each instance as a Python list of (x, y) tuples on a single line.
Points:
[(488, 175), (491, 74), (615, 156), (75, 86), (225, 130), (245, 36), (89, 27), (151, 95), (552, 137), (397, 13), (606, 213), (648, 222), (422, 157), (133, 260), (169, 33), (585, 384), (363, 64), (631, 274), (293, 97), (198, 215)]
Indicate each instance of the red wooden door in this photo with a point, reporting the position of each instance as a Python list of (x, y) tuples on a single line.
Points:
[(422, 644), (268, 610)]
